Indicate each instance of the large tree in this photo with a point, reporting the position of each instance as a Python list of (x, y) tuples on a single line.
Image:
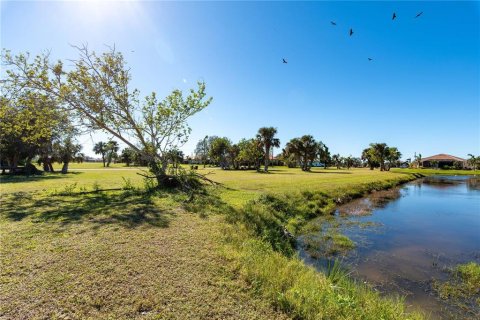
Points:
[(306, 149), (250, 153), (219, 151), (29, 123), (380, 152), (266, 137), (97, 90)]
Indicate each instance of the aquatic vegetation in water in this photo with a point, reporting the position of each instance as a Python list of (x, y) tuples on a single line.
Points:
[(462, 288)]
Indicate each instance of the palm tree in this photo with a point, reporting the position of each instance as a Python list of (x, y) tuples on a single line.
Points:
[(474, 161), (381, 153), (369, 157), (305, 149), (112, 149), (66, 151), (101, 148), (418, 159), (266, 137), (393, 156), (337, 160)]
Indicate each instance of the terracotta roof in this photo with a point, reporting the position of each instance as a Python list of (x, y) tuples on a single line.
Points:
[(442, 156)]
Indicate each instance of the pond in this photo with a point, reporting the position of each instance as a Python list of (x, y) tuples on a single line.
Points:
[(406, 238)]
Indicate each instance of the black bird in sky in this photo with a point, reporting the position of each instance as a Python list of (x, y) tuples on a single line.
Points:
[(351, 32), (333, 23), (370, 59), (394, 16), (284, 61), (419, 14)]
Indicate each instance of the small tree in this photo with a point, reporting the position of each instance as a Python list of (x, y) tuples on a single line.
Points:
[(102, 149), (201, 150), (66, 151), (393, 156), (324, 155), (112, 149), (337, 160), (127, 156), (474, 161)]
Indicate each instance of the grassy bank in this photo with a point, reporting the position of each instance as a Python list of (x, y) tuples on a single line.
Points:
[(259, 245), (72, 250)]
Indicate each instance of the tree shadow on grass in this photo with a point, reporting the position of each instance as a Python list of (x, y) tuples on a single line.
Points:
[(126, 209), (5, 179), (330, 172)]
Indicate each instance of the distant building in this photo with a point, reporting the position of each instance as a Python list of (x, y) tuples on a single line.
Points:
[(443, 160)]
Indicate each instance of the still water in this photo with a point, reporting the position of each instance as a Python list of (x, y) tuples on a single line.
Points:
[(408, 236)]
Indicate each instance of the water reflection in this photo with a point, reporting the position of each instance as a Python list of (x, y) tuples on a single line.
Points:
[(407, 236)]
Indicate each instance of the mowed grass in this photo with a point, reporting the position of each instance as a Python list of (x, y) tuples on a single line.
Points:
[(70, 250), (115, 255), (242, 186), (56, 182)]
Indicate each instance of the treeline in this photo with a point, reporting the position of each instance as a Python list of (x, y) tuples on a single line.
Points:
[(304, 152)]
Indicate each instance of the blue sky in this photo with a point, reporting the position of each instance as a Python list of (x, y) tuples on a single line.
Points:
[(420, 92)]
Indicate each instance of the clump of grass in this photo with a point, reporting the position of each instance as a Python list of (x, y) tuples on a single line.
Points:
[(327, 242), (96, 186), (68, 190), (470, 275), (127, 184), (339, 242), (464, 283)]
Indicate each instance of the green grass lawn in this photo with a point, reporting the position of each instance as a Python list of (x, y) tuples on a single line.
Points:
[(114, 255), (242, 186), (71, 251)]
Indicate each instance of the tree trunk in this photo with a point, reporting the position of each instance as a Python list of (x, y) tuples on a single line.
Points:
[(267, 158), (65, 168), (103, 160)]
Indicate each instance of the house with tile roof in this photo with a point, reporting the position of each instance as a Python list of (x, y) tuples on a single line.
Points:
[(443, 160)]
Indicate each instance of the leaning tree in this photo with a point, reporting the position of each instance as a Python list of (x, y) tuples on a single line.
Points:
[(96, 89)]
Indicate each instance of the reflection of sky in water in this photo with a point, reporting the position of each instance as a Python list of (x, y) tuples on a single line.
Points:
[(432, 224)]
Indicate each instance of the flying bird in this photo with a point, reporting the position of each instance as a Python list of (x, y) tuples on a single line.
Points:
[(284, 61), (419, 14), (394, 16), (333, 23), (351, 32), (370, 59)]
